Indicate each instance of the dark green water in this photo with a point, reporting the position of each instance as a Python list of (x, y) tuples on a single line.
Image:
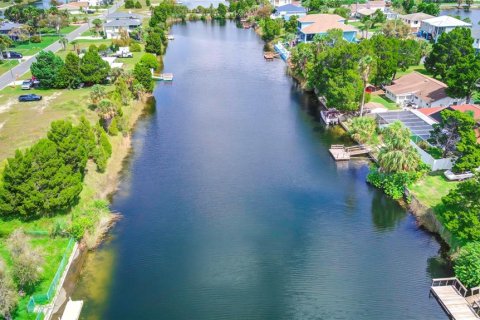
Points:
[(233, 208)]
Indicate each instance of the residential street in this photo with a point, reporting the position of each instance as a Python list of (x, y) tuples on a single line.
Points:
[(23, 67)]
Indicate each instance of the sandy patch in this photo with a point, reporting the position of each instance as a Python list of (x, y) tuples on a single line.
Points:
[(7, 105), (46, 102), (2, 124)]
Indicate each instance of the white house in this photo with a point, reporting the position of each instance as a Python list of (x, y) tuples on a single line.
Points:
[(414, 20), (420, 91), (432, 28), (278, 3), (121, 20), (288, 11)]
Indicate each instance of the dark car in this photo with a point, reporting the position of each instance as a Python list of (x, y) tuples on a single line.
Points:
[(12, 55), (29, 97)]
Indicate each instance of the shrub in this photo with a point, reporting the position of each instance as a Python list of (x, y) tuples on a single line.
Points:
[(135, 47), (393, 184), (147, 2), (138, 5), (467, 265), (35, 39)]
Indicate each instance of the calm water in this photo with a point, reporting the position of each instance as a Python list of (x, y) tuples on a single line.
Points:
[(473, 14), (233, 208)]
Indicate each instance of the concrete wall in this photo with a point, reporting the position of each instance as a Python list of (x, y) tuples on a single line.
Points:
[(435, 164)]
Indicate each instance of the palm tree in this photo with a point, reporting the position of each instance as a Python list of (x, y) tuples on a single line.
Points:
[(5, 42), (106, 110), (64, 42), (97, 23), (397, 155), (365, 66)]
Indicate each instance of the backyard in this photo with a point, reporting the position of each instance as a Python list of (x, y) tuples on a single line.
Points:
[(430, 189), (382, 99)]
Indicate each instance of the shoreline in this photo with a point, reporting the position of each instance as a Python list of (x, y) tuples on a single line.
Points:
[(121, 150)]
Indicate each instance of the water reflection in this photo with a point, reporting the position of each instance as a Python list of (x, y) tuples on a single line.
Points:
[(385, 213)]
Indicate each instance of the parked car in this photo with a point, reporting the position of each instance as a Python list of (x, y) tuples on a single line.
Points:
[(124, 54), (12, 55), (29, 97), (27, 85)]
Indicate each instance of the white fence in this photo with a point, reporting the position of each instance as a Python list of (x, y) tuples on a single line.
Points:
[(435, 164)]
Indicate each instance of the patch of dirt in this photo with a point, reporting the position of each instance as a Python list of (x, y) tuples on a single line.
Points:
[(2, 124), (7, 105), (46, 102)]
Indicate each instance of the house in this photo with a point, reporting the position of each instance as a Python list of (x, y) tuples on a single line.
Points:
[(121, 20), (371, 5), (74, 7), (279, 3), (435, 113), (476, 39), (95, 3), (7, 26), (432, 28), (288, 11), (414, 20), (420, 91), (318, 24)]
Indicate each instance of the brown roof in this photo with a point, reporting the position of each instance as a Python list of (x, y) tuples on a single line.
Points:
[(368, 5), (418, 16), (429, 111), (425, 88), (468, 107), (324, 22), (79, 4)]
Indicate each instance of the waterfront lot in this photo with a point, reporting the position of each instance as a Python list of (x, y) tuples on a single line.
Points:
[(430, 189)]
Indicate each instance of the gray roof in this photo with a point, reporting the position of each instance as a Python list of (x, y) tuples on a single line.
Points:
[(475, 33), (291, 8), (123, 23), (7, 26), (418, 16), (417, 125), (124, 16)]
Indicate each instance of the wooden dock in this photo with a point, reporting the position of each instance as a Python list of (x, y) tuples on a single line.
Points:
[(341, 153), (457, 301), (269, 56)]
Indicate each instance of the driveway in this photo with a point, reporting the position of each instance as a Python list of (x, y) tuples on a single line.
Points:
[(23, 67)]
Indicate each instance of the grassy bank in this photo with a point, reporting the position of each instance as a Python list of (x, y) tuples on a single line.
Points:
[(23, 124)]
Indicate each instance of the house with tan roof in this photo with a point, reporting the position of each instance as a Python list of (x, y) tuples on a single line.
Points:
[(373, 5), (318, 24), (420, 91), (414, 20), (432, 28)]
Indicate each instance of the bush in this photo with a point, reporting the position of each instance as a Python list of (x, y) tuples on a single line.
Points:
[(393, 184), (35, 39), (147, 2), (138, 5), (129, 4), (150, 60), (135, 47), (467, 265)]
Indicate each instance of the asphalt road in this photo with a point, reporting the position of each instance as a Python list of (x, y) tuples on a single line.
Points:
[(24, 66)]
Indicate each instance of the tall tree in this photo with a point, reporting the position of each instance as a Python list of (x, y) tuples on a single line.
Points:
[(397, 155), (46, 68), (460, 210), (463, 77), (70, 75), (450, 48), (365, 67), (94, 70), (143, 76), (387, 56)]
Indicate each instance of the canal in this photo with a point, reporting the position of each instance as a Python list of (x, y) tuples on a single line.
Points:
[(233, 209)]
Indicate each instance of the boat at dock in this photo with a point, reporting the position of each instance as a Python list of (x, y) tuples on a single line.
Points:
[(162, 76), (170, 37), (330, 116)]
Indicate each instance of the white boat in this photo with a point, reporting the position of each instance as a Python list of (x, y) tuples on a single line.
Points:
[(170, 37), (166, 76), (458, 177), (330, 116)]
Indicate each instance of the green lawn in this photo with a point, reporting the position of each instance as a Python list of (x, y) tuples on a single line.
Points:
[(360, 25), (7, 65), (89, 33), (387, 103), (430, 189), (420, 69), (30, 48)]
